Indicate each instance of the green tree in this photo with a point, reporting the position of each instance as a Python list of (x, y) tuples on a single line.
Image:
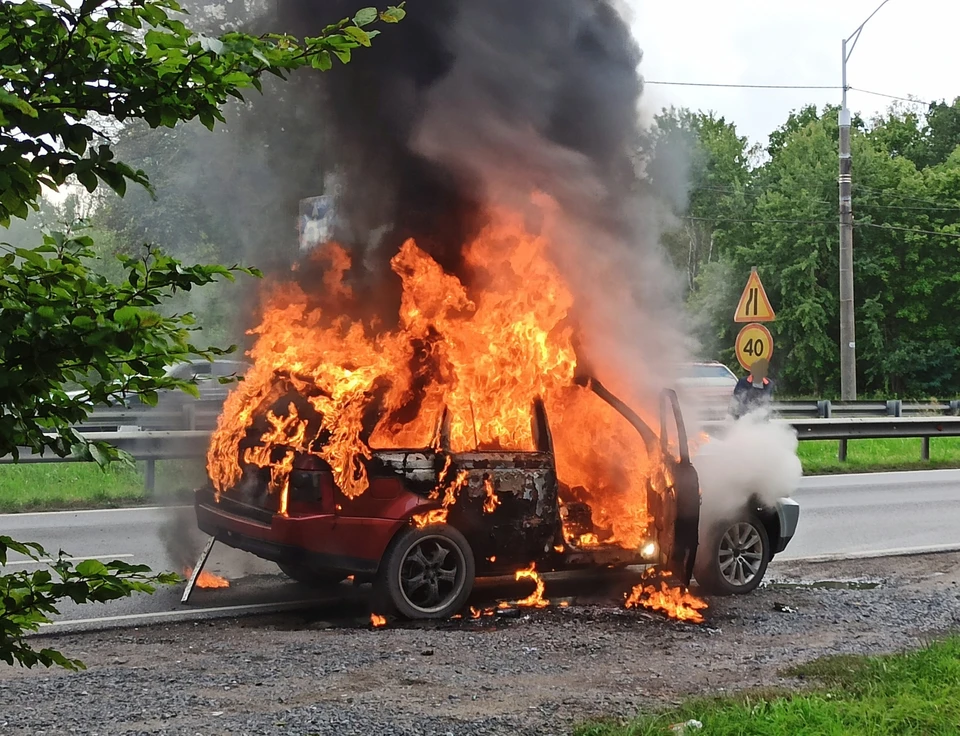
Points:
[(907, 255), (66, 71)]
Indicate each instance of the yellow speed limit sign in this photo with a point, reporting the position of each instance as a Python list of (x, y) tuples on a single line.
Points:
[(753, 343)]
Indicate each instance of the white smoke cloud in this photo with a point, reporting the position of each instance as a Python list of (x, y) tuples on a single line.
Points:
[(755, 457)]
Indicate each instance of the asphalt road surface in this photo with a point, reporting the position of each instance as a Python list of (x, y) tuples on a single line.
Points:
[(841, 516)]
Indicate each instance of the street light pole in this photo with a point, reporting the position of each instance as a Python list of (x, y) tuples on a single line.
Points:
[(848, 335)]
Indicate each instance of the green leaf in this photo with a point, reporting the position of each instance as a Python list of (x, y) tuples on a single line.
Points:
[(393, 14), (8, 99), (359, 34), (91, 568), (365, 16), (127, 316), (322, 61)]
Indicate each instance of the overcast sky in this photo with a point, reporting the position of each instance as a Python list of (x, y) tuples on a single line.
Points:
[(908, 49)]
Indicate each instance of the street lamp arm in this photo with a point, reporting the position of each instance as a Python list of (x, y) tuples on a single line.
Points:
[(856, 34)]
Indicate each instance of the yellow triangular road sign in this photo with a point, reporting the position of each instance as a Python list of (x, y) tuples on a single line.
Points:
[(754, 305)]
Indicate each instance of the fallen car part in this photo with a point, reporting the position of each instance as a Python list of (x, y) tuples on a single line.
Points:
[(197, 569)]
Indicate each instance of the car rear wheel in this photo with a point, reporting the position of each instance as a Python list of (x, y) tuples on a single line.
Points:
[(312, 578), (733, 558), (427, 573)]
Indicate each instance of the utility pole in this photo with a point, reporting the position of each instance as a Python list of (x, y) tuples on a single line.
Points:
[(848, 329), (848, 332)]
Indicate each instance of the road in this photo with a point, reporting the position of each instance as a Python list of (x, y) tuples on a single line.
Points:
[(854, 515)]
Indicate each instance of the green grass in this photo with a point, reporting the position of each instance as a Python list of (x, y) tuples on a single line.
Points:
[(874, 455), (43, 486), (908, 694), (83, 485)]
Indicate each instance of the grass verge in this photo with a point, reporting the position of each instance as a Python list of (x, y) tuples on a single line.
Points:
[(820, 456), (917, 693), (48, 486)]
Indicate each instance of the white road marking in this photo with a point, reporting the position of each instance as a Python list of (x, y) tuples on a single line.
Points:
[(92, 511), (48, 560), (886, 474), (185, 613), (872, 554)]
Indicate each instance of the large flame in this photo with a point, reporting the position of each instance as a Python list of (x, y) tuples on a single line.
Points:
[(484, 349)]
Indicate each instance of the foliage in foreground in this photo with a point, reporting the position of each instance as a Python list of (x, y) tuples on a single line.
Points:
[(29, 598), (904, 694), (70, 74)]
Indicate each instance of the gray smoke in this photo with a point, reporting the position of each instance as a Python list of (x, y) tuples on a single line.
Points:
[(469, 105)]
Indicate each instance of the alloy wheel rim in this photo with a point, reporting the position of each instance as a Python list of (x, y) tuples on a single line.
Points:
[(741, 554), (432, 573)]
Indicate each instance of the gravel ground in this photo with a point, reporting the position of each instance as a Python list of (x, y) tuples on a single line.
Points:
[(538, 674)]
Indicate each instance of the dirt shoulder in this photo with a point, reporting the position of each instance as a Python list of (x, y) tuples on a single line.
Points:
[(537, 674)]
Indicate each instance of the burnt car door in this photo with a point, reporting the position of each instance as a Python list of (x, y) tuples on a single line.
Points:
[(683, 487), (673, 490), (507, 502)]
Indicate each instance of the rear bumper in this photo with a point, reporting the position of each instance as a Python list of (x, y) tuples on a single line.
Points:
[(788, 512), (320, 542)]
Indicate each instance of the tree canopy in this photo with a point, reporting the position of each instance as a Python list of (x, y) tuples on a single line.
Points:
[(776, 208), (69, 74)]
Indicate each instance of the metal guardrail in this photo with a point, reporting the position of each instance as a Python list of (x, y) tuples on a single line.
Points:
[(863, 428), (145, 446), (182, 433), (825, 409)]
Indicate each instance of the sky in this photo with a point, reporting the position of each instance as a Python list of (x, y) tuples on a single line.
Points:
[(907, 49)]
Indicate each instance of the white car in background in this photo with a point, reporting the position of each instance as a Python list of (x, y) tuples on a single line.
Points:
[(705, 389)]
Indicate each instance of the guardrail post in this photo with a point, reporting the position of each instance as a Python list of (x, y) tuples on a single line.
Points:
[(842, 451), (150, 478), (925, 449), (189, 417), (895, 408), (824, 409), (955, 407)]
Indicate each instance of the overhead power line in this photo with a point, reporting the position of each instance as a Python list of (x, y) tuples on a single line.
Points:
[(907, 230), (822, 222), (743, 86), (891, 97), (785, 86), (754, 193)]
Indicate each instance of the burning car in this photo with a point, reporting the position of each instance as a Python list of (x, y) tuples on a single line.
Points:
[(463, 438)]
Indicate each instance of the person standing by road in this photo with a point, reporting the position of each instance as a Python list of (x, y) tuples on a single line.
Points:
[(752, 392)]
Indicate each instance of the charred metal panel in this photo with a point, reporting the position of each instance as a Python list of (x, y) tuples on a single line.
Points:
[(419, 469), (520, 521)]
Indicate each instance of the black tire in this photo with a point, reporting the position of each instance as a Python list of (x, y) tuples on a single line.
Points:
[(732, 558), (426, 573), (311, 578)]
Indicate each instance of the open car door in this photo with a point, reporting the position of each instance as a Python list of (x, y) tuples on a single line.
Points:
[(673, 500)]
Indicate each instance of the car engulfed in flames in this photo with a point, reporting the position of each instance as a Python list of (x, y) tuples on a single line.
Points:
[(461, 438)]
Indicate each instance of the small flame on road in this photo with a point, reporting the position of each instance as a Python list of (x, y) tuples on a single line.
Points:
[(676, 602), (377, 622), (207, 579), (535, 599)]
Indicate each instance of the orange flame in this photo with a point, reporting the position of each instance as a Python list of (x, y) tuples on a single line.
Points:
[(675, 602), (207, 579), (377, 621), (483, 349), (491, 501), (535, 599), (439, 516)]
